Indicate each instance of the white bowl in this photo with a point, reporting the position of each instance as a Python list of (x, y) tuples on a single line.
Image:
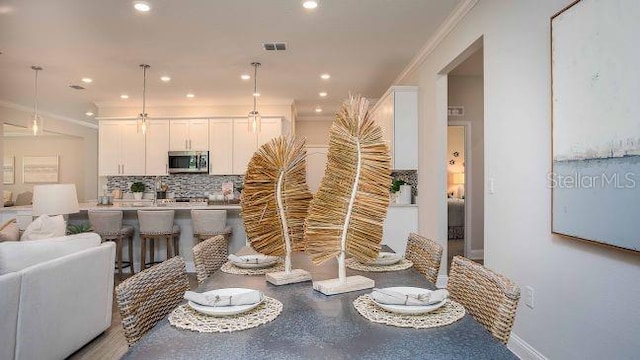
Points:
[(385, 258), (409, 309), (266, 261), (224, 310)]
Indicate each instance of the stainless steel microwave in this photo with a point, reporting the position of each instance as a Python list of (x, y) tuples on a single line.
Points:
[(188, 162)]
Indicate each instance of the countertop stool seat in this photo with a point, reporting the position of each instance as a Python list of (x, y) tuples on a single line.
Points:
[(157, 225), (209, 223), (108, 224)]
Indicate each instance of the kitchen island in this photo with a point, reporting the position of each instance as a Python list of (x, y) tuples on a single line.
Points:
[(129, 207)]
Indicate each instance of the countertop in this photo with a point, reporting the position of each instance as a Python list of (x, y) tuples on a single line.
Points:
[(136, 205)]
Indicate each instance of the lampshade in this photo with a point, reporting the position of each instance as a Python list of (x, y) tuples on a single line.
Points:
[(458, 178), (55, 199)]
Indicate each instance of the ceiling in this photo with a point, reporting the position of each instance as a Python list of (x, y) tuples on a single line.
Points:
[(204, 46)]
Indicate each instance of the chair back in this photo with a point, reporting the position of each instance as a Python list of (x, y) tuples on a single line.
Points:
[(209, 255), (426, 256), (156, 221), (148, 296), (105, 222), (489, 297), (208, 221)]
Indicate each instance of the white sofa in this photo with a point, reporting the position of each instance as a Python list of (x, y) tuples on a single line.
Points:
[(56, 295)]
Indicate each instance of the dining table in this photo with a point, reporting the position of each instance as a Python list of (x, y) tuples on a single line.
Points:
[(316, 326)]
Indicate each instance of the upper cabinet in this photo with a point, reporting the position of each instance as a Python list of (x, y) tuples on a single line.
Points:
[(221, 146), (187, 135), (121, 148), (245, 142), (157, 146), (397, 113)]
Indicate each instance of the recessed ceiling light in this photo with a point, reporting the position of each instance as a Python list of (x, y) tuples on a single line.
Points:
[(325, 76), (165, 78), (256, 94), (318, 109), (89, 113), (310, 4), (142, 6), (245, 77), (191, 96), (124, 96), (323, 94), (87, 80)]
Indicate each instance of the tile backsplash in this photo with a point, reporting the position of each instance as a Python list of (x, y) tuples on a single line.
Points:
[(181, 185), (409, 176)]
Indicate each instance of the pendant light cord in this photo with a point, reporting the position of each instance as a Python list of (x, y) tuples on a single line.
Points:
[(35, 101), (255, 85), (144, 91)]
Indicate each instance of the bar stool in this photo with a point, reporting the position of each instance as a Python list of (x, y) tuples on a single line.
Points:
[(108, 224), (157, 225), (209, 223)]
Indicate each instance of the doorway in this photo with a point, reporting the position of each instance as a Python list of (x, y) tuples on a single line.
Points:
[(465, 155)]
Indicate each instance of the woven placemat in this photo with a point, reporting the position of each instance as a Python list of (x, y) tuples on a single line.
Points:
[(447, 314), (229, 268), (184, 317), (354, 264)]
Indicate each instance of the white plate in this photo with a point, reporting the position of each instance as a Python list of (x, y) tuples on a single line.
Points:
[(409, 309), (224, 310), (385, 258), (267, 262)]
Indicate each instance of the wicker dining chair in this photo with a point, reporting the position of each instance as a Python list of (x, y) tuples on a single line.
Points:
[(425, 254), (147, 297), (489, 297), (209, 256)]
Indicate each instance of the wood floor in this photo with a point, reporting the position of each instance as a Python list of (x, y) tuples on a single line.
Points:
[(111, 344)]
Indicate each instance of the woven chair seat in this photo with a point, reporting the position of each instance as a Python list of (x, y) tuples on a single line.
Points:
[(147, 297), (174, 231), (489, 297), (226, 231), (426, 256), (125, 230)]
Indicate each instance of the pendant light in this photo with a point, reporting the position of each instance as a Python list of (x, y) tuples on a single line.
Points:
[(143, 122), (255, 119), (37, 124)]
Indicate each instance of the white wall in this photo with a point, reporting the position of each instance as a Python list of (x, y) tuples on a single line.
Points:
[(586, 296), (316, 131), (18, 115), (69, 150)]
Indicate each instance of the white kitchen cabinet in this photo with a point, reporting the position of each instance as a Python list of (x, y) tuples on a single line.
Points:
[(121, 148), (397, 113), (189, 135), (157, 146), (245, 142), (221, 146), (401, 220)]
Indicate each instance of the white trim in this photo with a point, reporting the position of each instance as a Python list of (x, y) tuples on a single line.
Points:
[(522, 349), (476, 254), (449, 24), (441, 281), (48, 114)]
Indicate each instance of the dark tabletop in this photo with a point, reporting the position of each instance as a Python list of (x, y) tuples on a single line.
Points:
[(316, 326)]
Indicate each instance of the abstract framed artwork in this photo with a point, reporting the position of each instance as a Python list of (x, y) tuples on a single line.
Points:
[(39, 169), (595, 178), (8, 170)]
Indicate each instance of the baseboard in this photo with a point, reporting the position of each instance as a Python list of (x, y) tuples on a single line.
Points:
[(522, 349), (476, 254), (441, 282)]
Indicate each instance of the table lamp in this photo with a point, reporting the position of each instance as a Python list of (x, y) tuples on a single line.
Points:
[(458, 179), (55, 199)]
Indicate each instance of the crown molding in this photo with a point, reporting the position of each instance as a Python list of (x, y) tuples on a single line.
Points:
[(447, 26), (14, 106)]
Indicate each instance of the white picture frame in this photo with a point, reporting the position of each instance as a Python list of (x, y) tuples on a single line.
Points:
[(40, 169), (9, 174)]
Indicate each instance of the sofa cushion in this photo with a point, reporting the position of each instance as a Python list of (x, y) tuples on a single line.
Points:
[(45, 227), (15, 256), (9, 304), (10, 231)]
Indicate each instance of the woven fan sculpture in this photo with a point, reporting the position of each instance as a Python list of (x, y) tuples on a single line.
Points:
[(349, 208), (275, 202)]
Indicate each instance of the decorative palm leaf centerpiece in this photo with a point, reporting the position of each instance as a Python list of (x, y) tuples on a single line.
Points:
[(348, 210), (275, 202)]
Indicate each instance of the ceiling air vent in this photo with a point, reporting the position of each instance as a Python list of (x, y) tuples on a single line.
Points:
[(76, 87), (275, 46)]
